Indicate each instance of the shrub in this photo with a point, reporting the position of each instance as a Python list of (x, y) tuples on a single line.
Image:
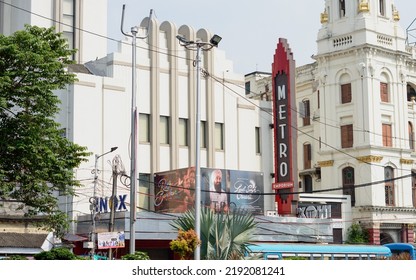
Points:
[(136, 256), (57, 254)]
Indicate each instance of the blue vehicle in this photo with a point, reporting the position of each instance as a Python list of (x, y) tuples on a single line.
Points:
[(399, 250), (281, 251)]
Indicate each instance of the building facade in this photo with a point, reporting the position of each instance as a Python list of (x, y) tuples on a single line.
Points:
[(356, 107), (71, 17), (356, 116), (96, 112)]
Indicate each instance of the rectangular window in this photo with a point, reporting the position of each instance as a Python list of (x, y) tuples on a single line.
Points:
[(307, 156), (319, 99), (307, 113), (248, 89), (164, 130), (183, 132), (258, 140), (346, 95), (68, 24), (382, 8), (144, 180), (203, 134), (219, 136), (384, 93), (414, 188), (341, 8), (144, 128), (347, 136), (387, 135)]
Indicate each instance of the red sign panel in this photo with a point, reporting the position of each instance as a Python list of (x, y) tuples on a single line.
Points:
[(285, 135)]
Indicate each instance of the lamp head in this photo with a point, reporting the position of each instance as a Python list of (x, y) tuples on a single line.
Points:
[(215, 40), (182, 39), (113, 149)]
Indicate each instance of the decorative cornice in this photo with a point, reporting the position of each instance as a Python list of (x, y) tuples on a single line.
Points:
[(369, 159), (385, 209), (327, 163), (406, 161)]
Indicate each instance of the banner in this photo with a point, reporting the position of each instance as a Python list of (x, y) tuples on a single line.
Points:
[(107, 240), (221, 190)]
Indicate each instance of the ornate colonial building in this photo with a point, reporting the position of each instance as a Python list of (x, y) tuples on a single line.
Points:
[(357, 116)]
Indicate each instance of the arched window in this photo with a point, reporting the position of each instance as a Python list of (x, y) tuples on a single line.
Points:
[(384, 89), (348, 182), (389, 186)]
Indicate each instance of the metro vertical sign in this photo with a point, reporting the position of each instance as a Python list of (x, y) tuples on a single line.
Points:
[(285, 135), (282, 125)]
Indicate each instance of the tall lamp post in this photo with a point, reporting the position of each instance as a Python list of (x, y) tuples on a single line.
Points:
[(134, 114), (94, 200), (198, 46)]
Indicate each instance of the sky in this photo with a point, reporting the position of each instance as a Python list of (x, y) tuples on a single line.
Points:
[(250, 30)]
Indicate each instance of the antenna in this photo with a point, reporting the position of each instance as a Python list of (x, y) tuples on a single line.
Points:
[(134, 128)]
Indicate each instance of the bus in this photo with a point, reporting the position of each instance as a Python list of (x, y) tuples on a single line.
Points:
[(402, 251), (281, 251)]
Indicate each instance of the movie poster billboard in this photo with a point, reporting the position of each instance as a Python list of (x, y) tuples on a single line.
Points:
[(246, 191), (107, 240), (221, 190), (175, 190)]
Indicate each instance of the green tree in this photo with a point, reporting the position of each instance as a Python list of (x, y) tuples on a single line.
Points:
[(356, 234), (224, 236), (35, 160)]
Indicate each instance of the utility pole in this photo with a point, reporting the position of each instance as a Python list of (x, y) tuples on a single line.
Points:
[(134, 128), (94, 202), (113, 202)]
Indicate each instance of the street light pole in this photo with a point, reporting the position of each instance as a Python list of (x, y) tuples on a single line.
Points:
[(134, 124), (198, 46), (94, 200)]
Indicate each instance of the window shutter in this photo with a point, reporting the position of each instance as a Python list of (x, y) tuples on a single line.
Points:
[(307, 156), (346, 95), (384, 94), (387, 135), (347, 136)]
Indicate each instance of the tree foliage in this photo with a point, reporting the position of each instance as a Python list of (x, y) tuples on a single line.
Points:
[(57, 254), (185, 244), (36, 161), (224, 236), (356, 234), (138, 255)]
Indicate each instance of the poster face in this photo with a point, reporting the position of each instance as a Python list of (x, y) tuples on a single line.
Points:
[(107, 240), (221, 190), (175, 190), (246, 191)]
